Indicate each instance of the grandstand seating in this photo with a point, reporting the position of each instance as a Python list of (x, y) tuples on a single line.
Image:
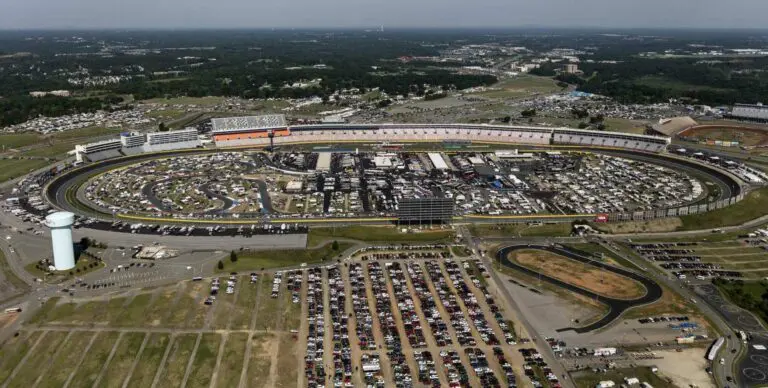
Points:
[(426, 132)]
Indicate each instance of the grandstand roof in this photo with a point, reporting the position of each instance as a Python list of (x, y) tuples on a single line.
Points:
[(673, 126), (243, 123)]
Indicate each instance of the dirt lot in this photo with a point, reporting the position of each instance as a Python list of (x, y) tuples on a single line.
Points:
[(579, 274), (660, 225)]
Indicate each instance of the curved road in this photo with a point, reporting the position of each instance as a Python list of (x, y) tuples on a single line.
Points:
[(616, 307)]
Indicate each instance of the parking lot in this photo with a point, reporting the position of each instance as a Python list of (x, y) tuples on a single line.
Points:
[(385, 318), (745, 257)]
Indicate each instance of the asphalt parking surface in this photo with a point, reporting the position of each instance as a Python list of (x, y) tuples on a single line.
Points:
[(753, 367), (615, 306)]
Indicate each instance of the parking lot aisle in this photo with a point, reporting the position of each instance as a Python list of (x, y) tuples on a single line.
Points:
[(161, 365), (217, 363), (386, 366), (233, 308), (259, 295), (108, 361), (135, 361), (354, 341), (509, 351), (197, 313), (301, 380), (188, 369), (328, 342), (429, 337), (397, 314), (56, 371), (281, 301), (27, 372)]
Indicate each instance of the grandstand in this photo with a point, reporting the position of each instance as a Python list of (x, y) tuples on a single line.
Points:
[(319, 133), (757, 112), (232, 131), (100, 150)]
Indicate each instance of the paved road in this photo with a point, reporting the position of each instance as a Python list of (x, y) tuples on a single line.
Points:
[(616, 307)]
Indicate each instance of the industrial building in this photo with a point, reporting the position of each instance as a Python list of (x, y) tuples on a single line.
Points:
[(323, 162)]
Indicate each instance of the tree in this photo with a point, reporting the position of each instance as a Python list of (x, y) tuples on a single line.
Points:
[(233, 256), (162, 127), (220, 266), (583, 125), (335, 245), (528, 112), (506, 119), (562, 85)]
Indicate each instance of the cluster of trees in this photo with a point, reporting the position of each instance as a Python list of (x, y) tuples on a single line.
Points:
[(248, 64), (20, 109), (650, 80), (736, 292)]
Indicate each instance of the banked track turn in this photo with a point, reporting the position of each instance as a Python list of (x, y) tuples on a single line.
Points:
[(616, 307)]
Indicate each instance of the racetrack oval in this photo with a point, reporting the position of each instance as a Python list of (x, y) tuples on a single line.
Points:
[(616, 307)]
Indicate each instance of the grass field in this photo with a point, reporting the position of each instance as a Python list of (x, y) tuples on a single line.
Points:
[(754, 205), (121, 363), (579, 274), (375, 234), (84, 133), (94, 360), (14, 168), (29, 371), (262, 347), (588, 379), (204, 361), (149, 361), (205, 101), (13, 351), (519, 230), (172, 372), (614, 124), (232, 360), (18, 140), (257, 260), (77, 348), (521, 86)]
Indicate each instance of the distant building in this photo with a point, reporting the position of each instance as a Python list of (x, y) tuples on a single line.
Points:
[(673, 126), (756, 112), (570, 68)]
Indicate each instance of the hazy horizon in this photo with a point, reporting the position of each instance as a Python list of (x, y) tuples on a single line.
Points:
[(342, 14)]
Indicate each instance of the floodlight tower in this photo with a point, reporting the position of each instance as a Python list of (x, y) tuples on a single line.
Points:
[(61, 237)]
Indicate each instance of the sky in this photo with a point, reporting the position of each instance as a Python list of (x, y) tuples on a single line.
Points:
[(191, 14)]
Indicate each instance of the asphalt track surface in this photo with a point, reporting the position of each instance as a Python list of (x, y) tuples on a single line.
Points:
[(56, 190), (616, 307)]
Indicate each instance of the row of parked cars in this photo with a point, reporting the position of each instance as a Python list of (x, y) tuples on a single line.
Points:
[(342, 357), (406, 306), (313, 360), (471, 303), (400, 369), (449, 301), (509, 334), (428, 305)]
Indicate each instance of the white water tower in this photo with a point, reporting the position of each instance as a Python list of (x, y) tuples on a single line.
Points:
[(61, 236)]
